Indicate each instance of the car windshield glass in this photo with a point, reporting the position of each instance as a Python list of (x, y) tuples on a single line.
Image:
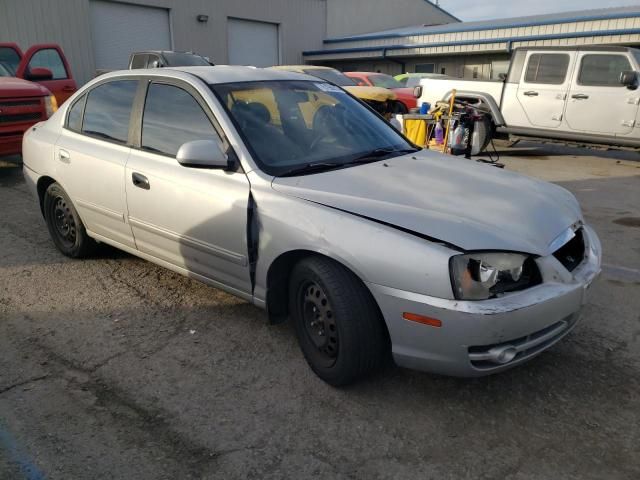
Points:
[(331, 75), (298, 127), (384, 81), (177, 59), (9, 59)]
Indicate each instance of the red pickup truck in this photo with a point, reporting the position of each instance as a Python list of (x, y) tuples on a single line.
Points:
[(32, 85)]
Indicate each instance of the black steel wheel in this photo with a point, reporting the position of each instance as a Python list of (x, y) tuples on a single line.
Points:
[(339, 327), (319, 322), (65, 226)]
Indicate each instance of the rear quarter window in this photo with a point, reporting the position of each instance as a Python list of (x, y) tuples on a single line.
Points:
[(74, 117)]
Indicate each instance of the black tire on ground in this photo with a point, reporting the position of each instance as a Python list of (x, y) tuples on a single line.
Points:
[(65, 226), (400, 108), (339, 327)]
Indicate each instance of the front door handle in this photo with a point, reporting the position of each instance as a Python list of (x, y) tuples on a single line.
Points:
[(64, 156), (580, 96), (68, 88), (531, 93), (140, 181)]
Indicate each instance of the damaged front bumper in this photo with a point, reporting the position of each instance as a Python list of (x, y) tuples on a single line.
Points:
[(477, 338)]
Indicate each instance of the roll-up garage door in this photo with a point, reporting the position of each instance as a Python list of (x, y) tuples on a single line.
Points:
[(118, 29), (252, 43)]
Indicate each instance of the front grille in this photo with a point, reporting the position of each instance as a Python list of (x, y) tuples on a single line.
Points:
[(572, 253), (487, 356), (19, 103), (21, 117)]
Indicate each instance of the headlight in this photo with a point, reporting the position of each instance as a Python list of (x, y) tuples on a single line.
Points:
[(479, 276), (51, 105)]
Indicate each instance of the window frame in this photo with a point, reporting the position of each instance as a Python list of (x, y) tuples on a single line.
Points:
[(537, 82), (60, 57), (138, 114), (609, 54), (85, 93)]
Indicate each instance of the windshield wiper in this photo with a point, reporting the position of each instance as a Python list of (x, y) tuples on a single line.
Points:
[(379, 153), (311, 168)]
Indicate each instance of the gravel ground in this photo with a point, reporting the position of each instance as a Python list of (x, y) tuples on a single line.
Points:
[(115, 368)]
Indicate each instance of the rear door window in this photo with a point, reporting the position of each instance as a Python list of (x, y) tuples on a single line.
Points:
[(547, 68), (172, 117), (108, 110), (602, 70), (49, 58)]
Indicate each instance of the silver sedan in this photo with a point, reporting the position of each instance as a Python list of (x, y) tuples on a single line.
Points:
[(285, 190)]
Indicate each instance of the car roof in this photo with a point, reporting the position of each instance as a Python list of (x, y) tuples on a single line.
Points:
[(218, 74), (300, 68), (367, 73)]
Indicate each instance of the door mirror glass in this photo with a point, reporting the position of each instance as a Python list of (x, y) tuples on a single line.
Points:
[(154, 64), (39, 74), (417, 91), (629, 79), (202, 154)]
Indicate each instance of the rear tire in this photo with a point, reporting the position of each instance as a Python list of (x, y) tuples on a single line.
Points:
[(65, 226), (338, 325)]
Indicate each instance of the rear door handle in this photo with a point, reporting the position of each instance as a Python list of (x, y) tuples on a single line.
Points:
[(140, 181), (64, 156), (580, 96), (531, 94), (68, 88)]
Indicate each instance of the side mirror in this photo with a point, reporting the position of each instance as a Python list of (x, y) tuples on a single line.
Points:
[(502, 76), (38, 74), (155, 64), (417, 91), (202, 154), (629, 79)]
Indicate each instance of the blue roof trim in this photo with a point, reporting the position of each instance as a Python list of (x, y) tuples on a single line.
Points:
[(438, 7), (488, 26), (552, 36)]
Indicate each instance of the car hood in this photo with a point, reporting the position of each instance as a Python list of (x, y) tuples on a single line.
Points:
[(376, 94), (11, 87), (463, 203)]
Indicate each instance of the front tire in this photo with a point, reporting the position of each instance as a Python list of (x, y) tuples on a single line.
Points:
[(65, 226), (338, 325)]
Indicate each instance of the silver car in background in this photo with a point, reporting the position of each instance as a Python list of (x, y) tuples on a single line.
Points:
[(285, 190)]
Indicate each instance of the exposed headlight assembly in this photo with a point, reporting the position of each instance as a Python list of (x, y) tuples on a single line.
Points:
[(480, 276)]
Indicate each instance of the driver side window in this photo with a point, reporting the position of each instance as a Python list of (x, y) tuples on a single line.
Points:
[(172, 117), (49, 58)]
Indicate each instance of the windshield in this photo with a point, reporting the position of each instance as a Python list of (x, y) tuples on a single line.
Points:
[(178, 59), (331, 75), (384, 81), (9, 59), (303, 126)]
